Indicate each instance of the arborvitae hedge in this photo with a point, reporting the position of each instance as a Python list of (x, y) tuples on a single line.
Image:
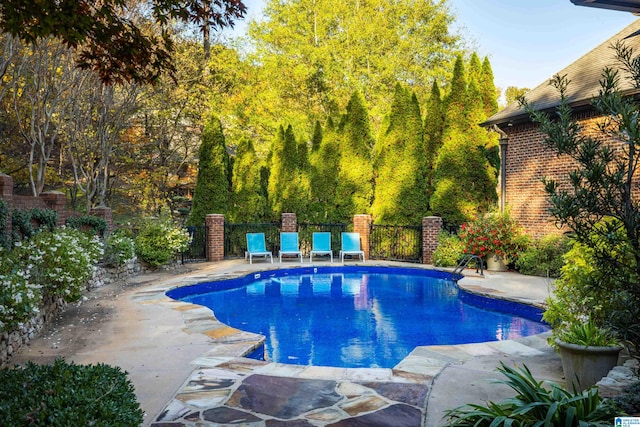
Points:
[(399, 163), (212, 185), (355, 177), (433, 126), (289, 180), (323, 173), (464, 185), (248, 202)]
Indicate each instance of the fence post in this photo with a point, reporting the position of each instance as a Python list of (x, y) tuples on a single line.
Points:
[(431, 226), (215, 237), (362, 225), (6, 192), (289, 222)]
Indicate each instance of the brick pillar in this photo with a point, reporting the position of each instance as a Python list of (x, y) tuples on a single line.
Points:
[(6, 193), (362, 225), (215, 237), (58, 202), (431, 226), (289, 222), (104, 213)]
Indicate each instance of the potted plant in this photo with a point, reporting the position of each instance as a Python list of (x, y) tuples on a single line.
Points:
[(494, 237), (582, 302), (588, 353)]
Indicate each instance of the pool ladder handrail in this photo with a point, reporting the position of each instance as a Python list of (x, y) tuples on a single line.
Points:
[(463, 264)]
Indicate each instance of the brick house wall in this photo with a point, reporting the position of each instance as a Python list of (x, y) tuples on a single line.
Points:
[(527, 162)]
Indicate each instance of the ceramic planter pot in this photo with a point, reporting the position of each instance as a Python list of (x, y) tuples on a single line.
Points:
[(496, 263), (584, 366)]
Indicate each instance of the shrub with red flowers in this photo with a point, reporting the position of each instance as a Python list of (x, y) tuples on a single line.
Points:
[(495, 233)]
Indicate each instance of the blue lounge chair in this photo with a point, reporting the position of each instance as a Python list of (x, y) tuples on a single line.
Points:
[(256, 246), (351, 246), (321, 245), (289, 245)]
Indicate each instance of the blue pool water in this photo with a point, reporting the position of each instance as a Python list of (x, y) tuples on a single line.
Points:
[(358, 317)]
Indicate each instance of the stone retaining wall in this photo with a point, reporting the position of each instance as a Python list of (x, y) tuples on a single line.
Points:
[(12, 341)]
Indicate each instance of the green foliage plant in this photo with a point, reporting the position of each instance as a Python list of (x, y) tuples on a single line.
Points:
[(211, 194), (119, 248), (26, 223), (399, 196), (585, 292), (587, 333), (90, 223), (600, 204), (544, 257), (247, 201), (158, 242), (449, 251), (66, 394), (354, 192), (629, 400), (494, 233), (536, 405), (64, 261), (5, 242), (20, 295)]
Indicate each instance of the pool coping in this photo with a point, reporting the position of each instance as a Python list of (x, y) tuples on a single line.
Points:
[(230, 345)]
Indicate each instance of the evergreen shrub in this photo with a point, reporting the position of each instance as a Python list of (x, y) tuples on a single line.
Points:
[(91, 223), (449, 251), (66, 394), (544, 257), (119, 249), (26, 223), (158, 242)]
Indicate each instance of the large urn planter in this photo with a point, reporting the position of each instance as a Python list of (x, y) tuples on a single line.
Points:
[(496, 262), (584, 366)]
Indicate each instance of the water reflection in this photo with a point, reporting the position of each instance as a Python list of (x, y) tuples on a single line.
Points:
[(358, 320)]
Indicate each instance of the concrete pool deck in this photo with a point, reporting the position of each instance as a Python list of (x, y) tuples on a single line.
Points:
[(187, 370)]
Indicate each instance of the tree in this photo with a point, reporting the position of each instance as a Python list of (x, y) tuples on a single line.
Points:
[(107, 39), (400, 196), (324, 164), (512, 93), (212, 185), (464, 179), (433, 127), (288, 181), (600, 205), (316, 53), (247, 202), (98, 115), (354, 192), (42, 83)]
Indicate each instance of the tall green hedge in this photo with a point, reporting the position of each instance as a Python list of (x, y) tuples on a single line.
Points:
[(399, 163), (212, 184), (248, 203), (354, 192)]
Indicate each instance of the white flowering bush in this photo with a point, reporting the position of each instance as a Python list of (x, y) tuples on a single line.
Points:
[(20, 297), (158, 242), (119, 249), (68, 257)]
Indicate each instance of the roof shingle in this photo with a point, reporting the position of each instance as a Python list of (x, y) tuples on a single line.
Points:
[(584, 74)]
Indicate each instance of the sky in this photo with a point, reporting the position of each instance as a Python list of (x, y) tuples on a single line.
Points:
[(527, 41)]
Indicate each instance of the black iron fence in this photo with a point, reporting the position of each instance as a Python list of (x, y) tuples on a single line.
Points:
[(396, 243), (306, 230), (197, 250), (235, 241), (388, 242)]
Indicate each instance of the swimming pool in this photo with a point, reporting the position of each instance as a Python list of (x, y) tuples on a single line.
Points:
[(355, 316)]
